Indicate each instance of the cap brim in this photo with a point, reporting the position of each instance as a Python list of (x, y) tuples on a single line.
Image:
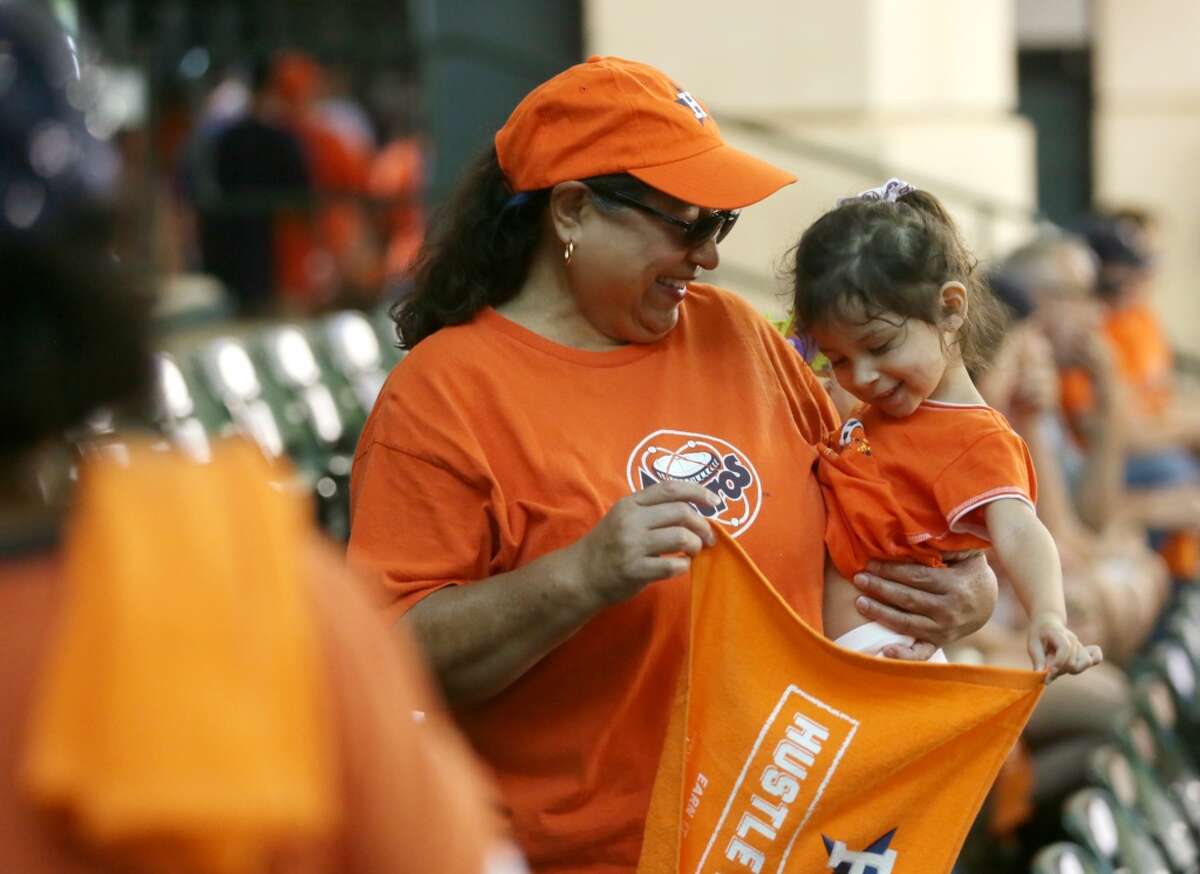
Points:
[(721, 178)]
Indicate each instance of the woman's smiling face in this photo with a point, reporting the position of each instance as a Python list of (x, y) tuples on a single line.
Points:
[(629, 270)]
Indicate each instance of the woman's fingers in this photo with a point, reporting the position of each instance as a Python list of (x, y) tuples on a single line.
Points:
[(675, 490), (912, 575), (664, 541), (677, 515), (912, 624), (896, 594)]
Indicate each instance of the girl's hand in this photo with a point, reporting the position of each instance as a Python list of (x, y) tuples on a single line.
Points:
[(1055, 648)]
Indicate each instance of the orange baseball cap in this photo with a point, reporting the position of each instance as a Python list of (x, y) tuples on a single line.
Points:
[(609, 115)]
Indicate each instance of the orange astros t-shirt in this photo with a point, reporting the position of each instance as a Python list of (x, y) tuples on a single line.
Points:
[(491, 446), (915, 488)]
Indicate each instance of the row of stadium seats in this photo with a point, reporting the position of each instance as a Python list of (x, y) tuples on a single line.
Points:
[(1142, 811), (299, 391)]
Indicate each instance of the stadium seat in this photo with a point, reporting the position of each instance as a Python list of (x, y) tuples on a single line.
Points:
[(1169, 659), (1095, 819), (1066, 858), (1183, 627), (177, 410), (1137, 790), (306, 400), (1174, 762), (292, 367), (231, 377), (1189, 602), (356, 354)]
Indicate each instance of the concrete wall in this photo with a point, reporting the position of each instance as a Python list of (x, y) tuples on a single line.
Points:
[(923, 89), (1147, 140)]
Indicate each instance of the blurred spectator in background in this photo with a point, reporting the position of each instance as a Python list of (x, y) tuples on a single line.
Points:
[(1143, 354), (196, 690), (1163, 433), (397, 180), (1115, 585), (1110, 484), (252, 188), (1052, 279), (340, 257)]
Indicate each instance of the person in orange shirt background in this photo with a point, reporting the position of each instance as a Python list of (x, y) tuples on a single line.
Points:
[(198, 690), (1142, 350), (925, 468), (339, 250), (576, 413)]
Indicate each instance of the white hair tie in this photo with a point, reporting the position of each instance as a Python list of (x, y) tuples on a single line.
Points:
[(888, 192)]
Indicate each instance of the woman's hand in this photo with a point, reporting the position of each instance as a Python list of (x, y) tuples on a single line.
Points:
[(937, 606), (647, 536)]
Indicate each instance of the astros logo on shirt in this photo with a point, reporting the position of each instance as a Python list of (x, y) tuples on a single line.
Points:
[(714, 463)]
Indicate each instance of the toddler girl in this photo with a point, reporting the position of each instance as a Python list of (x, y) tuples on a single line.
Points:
[(924, 469)]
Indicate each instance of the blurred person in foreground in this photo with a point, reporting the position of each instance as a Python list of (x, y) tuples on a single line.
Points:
[(577, 413), (189, 680)]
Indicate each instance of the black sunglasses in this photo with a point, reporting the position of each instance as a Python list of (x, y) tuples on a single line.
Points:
[(714, 226)]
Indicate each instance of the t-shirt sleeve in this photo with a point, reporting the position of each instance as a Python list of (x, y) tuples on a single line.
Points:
[(995, 466), (416, 526)]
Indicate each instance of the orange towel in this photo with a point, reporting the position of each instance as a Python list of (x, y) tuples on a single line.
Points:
[(789, 754), (182, 714)]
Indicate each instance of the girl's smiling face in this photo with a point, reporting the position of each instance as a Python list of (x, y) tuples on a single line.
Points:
[(890, 361)]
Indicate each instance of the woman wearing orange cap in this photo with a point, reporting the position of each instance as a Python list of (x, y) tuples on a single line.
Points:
[(576, 413)]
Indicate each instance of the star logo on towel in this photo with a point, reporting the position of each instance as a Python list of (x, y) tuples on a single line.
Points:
[(875, 859)]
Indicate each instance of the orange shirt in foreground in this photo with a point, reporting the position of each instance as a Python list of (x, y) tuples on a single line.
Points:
[(914, 488), (491, 446), (787, 753), (193, 681)]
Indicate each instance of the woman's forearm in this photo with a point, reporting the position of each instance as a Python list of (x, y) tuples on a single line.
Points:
[(481, 637)]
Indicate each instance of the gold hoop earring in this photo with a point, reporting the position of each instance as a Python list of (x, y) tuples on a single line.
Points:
[(568, 251)]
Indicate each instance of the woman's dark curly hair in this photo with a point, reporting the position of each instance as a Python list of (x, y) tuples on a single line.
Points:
[(870, 257), (480, 249)]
